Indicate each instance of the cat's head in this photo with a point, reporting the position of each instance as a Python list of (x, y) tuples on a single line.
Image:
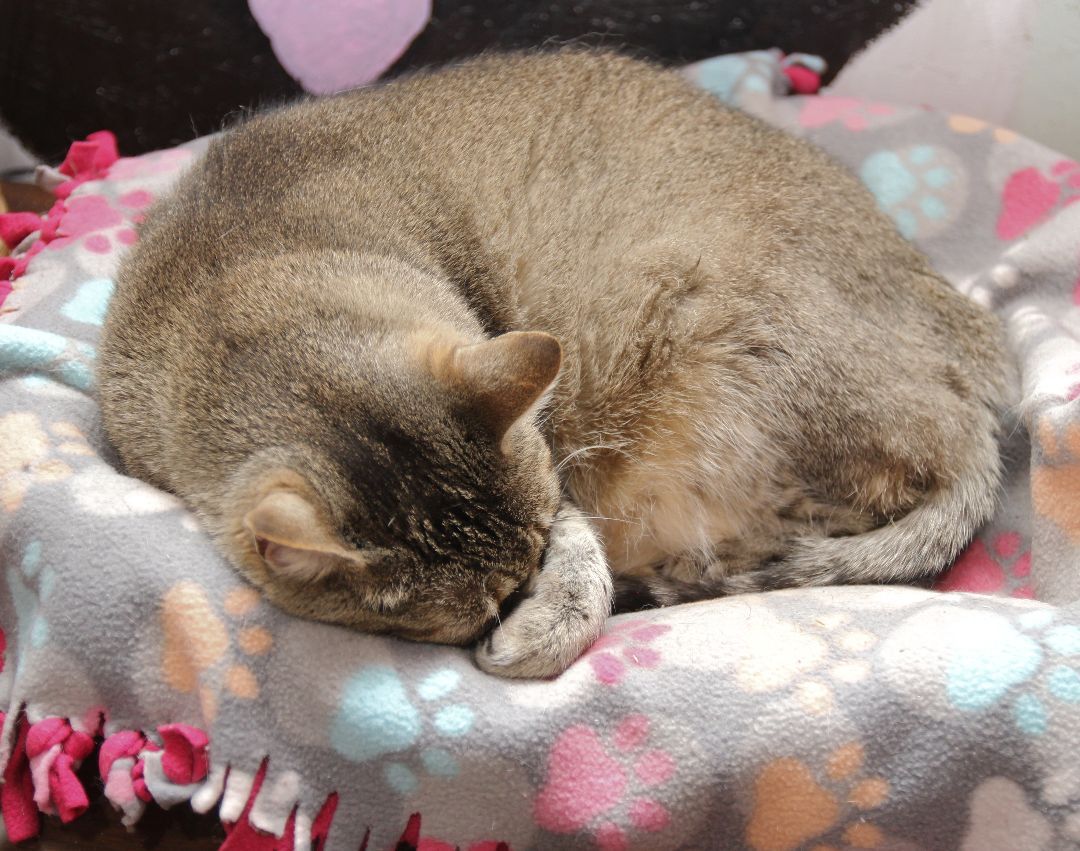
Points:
[(423, 501)]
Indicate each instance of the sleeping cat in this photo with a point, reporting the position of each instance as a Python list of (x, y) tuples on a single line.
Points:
[(499, 332)]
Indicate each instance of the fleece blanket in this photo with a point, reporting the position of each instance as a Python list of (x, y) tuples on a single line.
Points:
[(860, 717)]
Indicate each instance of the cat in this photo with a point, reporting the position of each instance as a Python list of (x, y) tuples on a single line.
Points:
[(497, 333)]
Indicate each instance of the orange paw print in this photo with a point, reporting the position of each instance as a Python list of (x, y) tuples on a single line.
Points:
[(198, 656), (966, 124), (1055, 479), (27, 454), (793, 804)]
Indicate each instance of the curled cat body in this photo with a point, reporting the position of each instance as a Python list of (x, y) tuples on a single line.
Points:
[(516, 327)]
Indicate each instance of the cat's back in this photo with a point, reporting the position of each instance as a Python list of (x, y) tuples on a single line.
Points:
[(546, 176), (573, 146), (501, 156)]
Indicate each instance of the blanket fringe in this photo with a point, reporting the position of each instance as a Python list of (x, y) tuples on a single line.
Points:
[(89, 159), (168, 768), (17, 794)]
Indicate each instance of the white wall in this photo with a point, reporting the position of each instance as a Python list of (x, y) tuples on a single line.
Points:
[(1011, 62), (1048, 103)]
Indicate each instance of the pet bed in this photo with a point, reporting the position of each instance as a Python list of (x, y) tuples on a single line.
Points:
[(863, 717)]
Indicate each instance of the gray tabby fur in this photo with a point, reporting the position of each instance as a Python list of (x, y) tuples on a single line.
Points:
[(757, 383)]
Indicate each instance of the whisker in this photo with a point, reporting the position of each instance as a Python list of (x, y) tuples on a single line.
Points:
[(597, 517), (584, 449)]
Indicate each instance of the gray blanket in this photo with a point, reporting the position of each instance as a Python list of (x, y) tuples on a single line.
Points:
[(860, 717)]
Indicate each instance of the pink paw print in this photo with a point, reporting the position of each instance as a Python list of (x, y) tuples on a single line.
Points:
[(90, 216), (1030, 197), (151, 165), (604, 788), (853, 113), (625, 645), (1002, 569)]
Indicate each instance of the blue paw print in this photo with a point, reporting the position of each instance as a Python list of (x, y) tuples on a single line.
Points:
[(30, 350), (377, 718), (727, 77), (90, 302), (923, 188), (69, 361), (986, 668), (31, 622)]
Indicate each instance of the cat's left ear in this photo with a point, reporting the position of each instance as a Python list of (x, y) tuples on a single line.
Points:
[(501, 379), (293, 539)]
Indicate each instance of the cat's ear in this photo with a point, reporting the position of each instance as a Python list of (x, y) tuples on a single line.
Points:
[(293, 538), (502, 378)]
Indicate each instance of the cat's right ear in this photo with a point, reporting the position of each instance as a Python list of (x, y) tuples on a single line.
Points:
[(501, 379), (293, 538)]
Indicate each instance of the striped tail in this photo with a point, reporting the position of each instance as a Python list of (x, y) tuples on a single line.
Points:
[(910, 549)]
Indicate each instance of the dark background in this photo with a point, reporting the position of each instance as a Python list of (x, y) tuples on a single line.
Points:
[(159, 73)]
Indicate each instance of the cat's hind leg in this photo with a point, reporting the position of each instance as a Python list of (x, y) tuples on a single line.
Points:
[(564, 612)]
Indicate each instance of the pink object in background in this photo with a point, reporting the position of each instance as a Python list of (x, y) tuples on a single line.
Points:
[(332, 45)]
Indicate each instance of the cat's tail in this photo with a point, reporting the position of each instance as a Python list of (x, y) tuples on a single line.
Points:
[(910, 549)]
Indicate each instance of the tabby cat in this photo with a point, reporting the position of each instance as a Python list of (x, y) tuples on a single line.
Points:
[(497, 333)]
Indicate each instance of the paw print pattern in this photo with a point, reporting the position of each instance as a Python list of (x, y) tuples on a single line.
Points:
[(197, 654), (100, 491), (43, 353), (30, 350), (153, 164), (1061, 678), (1055, 479), (1007, 663), (999, 812), (794, 803), (623, 646), (854, 114), (90, 302), (922, 188), (34, 453), (804, 665), (1030, 197), (33, 628), (725, 76), (967, 125), (377, 718), (92, 219), (1002, 568), (607, 790)]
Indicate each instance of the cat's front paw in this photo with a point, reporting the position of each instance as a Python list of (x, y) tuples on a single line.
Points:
[(565, 613), (529, 645)]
